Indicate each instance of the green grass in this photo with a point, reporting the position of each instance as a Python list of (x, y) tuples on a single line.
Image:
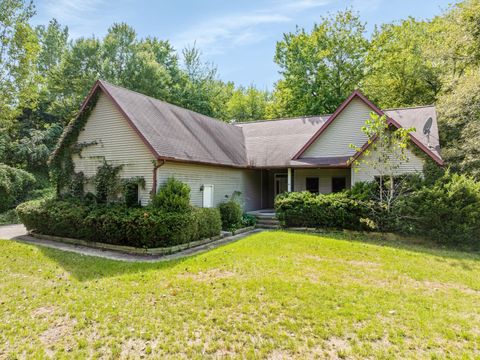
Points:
[(273, 294)]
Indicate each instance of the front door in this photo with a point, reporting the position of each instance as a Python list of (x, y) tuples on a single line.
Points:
[(281, 184)]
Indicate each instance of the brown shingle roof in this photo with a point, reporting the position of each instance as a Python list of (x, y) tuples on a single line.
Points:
[(175, 133), (274, 143)]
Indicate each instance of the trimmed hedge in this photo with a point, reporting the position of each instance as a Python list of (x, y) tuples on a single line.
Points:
[(339, 210), (117, 224), (231, 214)]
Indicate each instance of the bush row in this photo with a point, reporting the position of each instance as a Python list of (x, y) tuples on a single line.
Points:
[(447, 211), (117, 224), (304, 209)]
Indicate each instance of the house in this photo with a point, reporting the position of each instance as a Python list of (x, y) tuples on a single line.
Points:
[(260, 159)]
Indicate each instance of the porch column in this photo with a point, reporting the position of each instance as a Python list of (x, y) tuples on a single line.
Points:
[(289, 180)]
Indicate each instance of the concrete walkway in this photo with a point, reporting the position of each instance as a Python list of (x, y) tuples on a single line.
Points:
[(19, 233), (11, 231)]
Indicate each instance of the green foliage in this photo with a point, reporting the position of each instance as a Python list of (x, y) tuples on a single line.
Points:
[(339, 210), (15, 184), (118, 224), (173, 196), (130, 190), (18, 52), (448, 211), (231, 214), (61, 164), (9, 217), (320, 69), (248, 220), (386, 153), (247, 104), (400, 72), (209, 222), (459, 114), (107, 181)]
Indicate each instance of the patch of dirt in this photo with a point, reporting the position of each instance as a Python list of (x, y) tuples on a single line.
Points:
[(337, 348), (209, 275), (134, 348), (436, 286), (343, 261), (279, 355), (56, 332), (43, 311)]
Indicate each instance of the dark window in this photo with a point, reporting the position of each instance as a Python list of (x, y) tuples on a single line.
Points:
[(312, 184), (339, 184)]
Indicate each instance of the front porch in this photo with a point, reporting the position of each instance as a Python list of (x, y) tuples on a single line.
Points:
[(315, 180)]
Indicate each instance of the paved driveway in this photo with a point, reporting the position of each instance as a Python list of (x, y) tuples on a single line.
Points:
[(11, 231)]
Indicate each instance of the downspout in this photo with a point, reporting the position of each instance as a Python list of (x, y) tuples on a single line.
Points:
[(157, 165)]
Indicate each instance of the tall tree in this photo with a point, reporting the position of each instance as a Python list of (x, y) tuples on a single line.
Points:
[(247, 104), (399, 70), (18, 53), (319, 69)]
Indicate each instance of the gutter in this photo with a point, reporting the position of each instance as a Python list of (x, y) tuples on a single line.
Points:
[(158, 164)]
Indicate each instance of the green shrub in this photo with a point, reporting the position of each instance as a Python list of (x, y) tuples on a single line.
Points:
[(9, 217), (15, 184), (231, 214), (448, 211), (118, 224), (107, 183), (339, 210), (209, 222), (173, 196), (249, 220)]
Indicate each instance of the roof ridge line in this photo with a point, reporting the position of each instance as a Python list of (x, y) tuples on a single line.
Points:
[(285, 118), (409, 107)]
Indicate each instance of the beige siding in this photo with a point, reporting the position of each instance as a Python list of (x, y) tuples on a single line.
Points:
[(117, 143), (324, 178), (343, 131), (364, 172), (224, 180)]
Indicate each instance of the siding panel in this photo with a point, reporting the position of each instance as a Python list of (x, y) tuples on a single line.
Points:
[(117, 143), (343, 131), (365, 172), (225, 181), (324, 178)]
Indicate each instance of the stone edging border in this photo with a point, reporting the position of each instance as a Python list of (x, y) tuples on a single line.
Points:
[(139, 251)]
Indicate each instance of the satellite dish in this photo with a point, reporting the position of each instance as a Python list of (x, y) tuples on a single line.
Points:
[(427, 128)]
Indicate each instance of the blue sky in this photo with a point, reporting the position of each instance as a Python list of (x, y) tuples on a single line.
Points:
[(238, 36)]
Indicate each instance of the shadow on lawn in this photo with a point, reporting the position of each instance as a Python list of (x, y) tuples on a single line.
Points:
[(85, 267), (417, 245)]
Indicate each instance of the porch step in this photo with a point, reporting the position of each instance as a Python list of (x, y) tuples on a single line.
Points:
[(267, 226), (266, 219)]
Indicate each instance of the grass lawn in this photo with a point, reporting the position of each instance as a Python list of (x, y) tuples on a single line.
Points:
[(273, 294)]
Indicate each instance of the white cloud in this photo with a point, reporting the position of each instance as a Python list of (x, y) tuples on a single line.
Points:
[(83, 17), (214, 36), (300, 5)]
